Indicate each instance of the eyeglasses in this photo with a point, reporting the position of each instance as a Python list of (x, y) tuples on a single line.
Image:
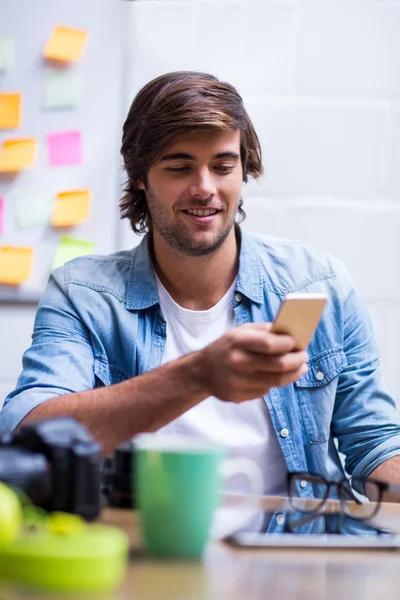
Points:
[(322, 489)]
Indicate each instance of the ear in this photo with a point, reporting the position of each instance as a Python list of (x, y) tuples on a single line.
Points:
[(140, 185)]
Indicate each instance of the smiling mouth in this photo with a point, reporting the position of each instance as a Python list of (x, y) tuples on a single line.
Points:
[(201, 212)]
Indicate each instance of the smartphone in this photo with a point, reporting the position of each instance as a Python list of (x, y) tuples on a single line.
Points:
[(299, 315)]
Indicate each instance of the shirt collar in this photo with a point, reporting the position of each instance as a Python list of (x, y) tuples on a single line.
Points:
[(142, 288), (249, 279)]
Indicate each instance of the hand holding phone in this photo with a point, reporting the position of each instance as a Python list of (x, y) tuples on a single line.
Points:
[(299, 315), (246, 362)]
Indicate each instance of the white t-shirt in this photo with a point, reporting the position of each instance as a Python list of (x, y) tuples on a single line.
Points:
[(245, 429)]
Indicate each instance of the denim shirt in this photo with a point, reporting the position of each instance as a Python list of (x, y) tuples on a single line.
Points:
[(99, 322)]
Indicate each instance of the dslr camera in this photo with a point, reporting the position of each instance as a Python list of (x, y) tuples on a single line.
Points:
[(56, 463)]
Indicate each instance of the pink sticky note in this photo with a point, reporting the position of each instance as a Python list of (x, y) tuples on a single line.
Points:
[(1, 214), (65, 148)]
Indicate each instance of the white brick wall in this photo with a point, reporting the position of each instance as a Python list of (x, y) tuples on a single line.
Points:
[(322, 147), (321, 80)]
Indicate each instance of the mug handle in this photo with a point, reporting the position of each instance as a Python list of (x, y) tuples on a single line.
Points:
[(241, 465)]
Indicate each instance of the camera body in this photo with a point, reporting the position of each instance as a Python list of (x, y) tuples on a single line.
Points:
[(56, 463), (118, 478)]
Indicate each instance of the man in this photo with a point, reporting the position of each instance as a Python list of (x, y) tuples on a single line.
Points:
[(174, 336)]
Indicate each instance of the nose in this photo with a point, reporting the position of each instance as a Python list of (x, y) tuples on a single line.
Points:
[(202, 185)]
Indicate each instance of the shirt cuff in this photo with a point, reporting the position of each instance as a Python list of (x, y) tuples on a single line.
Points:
[(376, 457), (18, 407)]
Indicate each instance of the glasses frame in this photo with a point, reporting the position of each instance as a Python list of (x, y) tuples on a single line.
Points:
[(308, 517), (330, 527), (344, 489)]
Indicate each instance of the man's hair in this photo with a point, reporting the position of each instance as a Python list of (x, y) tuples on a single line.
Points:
[(168, 106)]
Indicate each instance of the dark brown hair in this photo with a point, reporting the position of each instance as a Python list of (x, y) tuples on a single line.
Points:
[(168, 106)]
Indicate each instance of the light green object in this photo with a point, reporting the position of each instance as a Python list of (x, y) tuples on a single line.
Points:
[(177, 494), (10, 515), (62, 88), (70, 248), (67, 558), (33, 209), (7, 53)]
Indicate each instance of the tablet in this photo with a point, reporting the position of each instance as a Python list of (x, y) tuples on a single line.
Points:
[(315, 530)]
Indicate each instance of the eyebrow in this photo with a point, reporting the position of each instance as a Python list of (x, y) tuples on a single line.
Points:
[(185, 156)]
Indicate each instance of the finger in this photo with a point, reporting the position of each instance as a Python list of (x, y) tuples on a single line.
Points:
[(283, 379), (260, 383), (262, 341), (251, 362), (263, 327)]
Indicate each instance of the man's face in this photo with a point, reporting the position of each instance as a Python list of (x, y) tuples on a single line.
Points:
[(193, 191)]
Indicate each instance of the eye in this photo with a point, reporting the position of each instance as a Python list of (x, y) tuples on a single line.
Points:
[(224, 168), (181, 169)]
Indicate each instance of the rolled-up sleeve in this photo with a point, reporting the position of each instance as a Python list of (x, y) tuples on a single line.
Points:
[(365, 421), (60, 359)]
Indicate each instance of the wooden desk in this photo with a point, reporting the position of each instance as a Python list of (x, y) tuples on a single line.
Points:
[(227, 573)]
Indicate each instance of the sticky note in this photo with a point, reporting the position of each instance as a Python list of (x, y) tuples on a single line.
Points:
[(1, 214), (65, 148), (70, 208), (70, 248), (66, 44), (33, 209), (10, 111), (17, 154), (7, 52), (15, 264), (62, 88)]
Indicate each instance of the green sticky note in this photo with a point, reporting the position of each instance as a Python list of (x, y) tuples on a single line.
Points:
[(33, 209), (7, 52), (70, 248), (62, 88)]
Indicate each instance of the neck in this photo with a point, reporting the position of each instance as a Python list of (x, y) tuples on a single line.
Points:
[(197, 283)]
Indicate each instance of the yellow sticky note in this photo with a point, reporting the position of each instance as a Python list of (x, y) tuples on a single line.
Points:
[(65, 44), (18, 154), (10, 111), (71, 208), (15, 264)]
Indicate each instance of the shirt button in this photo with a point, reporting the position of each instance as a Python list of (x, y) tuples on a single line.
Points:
[(284, 432), (280, 519), (320, 375), (303, 484), (238, 297)]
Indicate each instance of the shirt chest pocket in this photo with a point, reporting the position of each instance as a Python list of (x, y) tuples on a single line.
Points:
[(316, 393), (107, 374)]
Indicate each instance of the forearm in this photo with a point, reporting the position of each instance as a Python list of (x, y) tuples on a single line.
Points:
[(241, 365), (388, 472), (144, 403)]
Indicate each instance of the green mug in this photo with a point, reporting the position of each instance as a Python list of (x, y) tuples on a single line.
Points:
[(177, 483)]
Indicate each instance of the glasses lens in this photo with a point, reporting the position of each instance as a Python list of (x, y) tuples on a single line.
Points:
[(316, 486), (360, 507)]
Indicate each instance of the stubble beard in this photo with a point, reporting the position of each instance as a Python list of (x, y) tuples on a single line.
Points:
[(178, 237)]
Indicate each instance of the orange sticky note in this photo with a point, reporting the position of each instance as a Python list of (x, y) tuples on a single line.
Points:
[(15, 264), (10, 111), (18, 154), (71, 208), (65, 44)]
